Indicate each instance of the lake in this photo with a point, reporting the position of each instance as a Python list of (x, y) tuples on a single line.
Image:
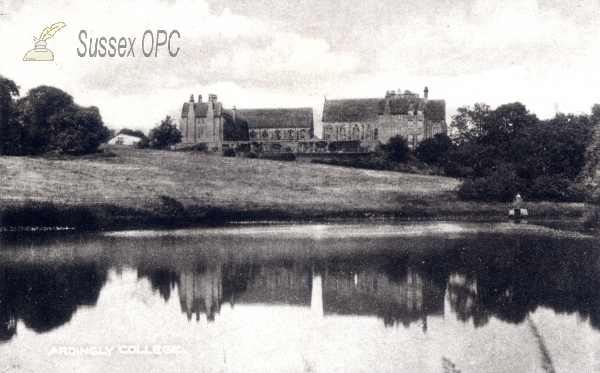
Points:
[(409, 297)]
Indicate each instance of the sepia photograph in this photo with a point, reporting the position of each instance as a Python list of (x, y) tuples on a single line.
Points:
[(299, 186)]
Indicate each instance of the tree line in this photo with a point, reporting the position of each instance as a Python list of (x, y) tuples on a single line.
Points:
[(508, 150), (47, 119)]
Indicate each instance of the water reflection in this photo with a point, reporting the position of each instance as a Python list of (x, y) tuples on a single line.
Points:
[(472, 278), (46, 297)]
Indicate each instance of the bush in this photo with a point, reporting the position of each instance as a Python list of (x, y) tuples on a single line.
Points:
[(165, 134), (397, 149), (229, 152), (434, 150), (286, 157), (500, 186), (202, 147)]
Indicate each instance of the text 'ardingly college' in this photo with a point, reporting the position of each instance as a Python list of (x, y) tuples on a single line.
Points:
[(124, 47)]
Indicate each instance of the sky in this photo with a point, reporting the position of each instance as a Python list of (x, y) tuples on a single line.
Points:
[(268, 53)]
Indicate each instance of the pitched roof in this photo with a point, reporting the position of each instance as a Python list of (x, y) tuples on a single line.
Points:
[(435, 110), (201, 109), (356, 110), (352, 110), (277, 118)]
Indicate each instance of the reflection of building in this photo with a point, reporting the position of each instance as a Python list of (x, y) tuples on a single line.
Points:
[(376, 119), (373, 293), (200, 292), (279, 285)]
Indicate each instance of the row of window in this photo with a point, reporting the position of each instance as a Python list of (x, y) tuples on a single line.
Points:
[(280, 135)]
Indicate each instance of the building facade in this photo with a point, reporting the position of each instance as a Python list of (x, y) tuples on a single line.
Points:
[(274, 125), (208, 122), (375, 119)]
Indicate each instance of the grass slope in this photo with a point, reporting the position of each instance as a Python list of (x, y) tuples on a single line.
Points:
[(200, 177), (239, 187)]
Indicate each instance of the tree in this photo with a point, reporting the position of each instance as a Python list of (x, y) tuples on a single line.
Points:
[(164, 134), (136, 133), (397, 149), (81, 131), (9, 128), (434, 150), (510, 150), (51, 121), (107, 134)]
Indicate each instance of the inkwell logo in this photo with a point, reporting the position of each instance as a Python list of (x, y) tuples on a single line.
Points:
[(40, 52)]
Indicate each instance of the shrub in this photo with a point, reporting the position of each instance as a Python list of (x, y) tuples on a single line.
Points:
[(397, 149), (229, 152), (434, 150), (165, 134)]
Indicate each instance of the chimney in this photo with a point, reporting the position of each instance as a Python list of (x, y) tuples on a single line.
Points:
[(426, 92), (234, 116), (199, 98), (192, 97), (212, 97)]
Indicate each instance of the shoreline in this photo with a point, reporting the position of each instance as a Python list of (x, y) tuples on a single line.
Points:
[(170, 214)]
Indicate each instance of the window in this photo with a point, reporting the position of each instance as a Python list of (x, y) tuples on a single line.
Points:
[(376, 134), (436, 129), (265, 134), (356, 132), (303, 134), (277, 135), (291, 134), (253, 134)]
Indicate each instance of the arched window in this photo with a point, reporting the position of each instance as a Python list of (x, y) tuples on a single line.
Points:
[(303, 134), (265, 134), (278, 135), (253, 134), (290, 134), (356, 132)]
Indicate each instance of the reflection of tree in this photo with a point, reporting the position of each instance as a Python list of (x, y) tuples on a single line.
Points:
[(514, 276), (161, 279), (46, 297)]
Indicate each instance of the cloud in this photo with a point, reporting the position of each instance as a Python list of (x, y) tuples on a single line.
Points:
[(254, 53)]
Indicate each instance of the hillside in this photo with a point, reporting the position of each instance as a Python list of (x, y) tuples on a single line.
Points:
[(200, 177), (126, 187)]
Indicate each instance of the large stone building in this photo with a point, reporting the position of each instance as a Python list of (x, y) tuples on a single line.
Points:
[(208, 122), (376, 119), (279, 124)]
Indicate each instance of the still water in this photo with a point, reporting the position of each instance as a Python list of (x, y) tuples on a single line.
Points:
[(427, 297)]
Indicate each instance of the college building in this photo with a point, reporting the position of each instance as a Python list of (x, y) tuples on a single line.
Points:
[(365, 122), (379, 119)]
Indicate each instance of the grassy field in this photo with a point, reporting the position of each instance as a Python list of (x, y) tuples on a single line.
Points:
[(136, 179)]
